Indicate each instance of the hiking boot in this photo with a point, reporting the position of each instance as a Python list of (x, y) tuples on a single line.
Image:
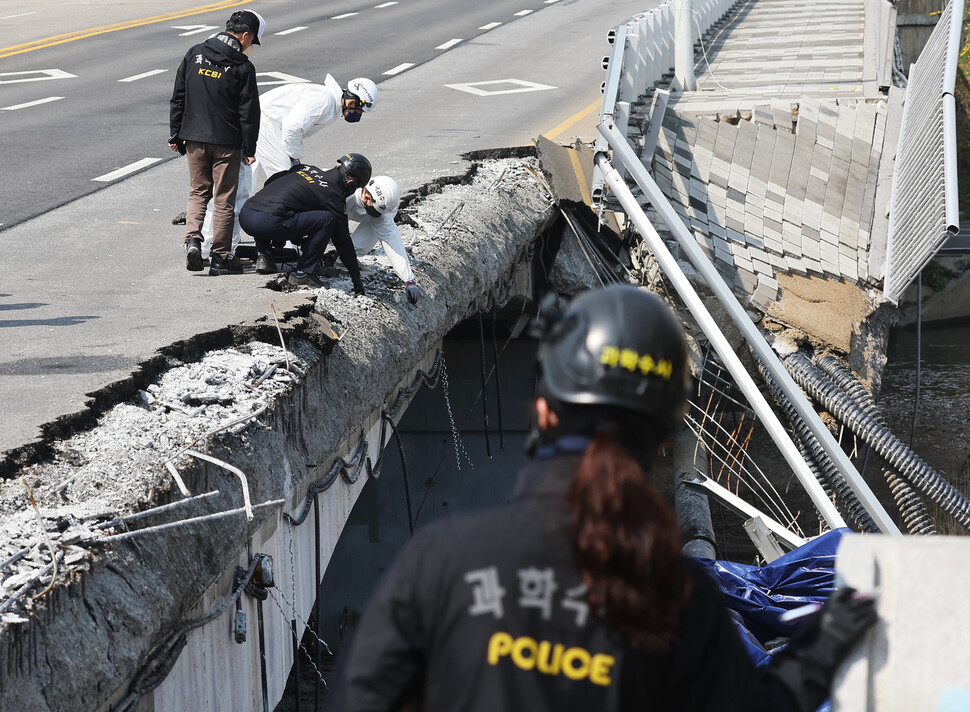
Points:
[(304, 280), (264, 265), (193, 254), (222, 265)]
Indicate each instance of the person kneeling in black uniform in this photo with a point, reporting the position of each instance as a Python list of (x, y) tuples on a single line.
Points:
[(575, 596), (307, 206)]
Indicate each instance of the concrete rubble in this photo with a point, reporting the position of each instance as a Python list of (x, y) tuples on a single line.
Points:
[(72, 643)]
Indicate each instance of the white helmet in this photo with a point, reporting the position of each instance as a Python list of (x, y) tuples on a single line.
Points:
[(365, 90), (386, 193)]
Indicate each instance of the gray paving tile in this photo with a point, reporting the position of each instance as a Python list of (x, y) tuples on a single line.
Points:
[(724, 145), (781, 111)]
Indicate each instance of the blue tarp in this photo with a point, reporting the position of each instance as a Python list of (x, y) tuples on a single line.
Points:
[(759, 595)]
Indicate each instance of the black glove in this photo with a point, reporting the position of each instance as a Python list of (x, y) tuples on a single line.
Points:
[(413, 292), (359, 288), (843, 619), (178, 143), (807, 664), (295, 161)]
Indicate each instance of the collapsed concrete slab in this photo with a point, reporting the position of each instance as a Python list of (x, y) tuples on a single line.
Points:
[(88, 623)]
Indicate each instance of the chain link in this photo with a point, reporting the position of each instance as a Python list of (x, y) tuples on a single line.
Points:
[(459, 445)]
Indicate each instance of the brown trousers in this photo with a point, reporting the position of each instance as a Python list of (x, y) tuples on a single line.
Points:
[(213, 174)]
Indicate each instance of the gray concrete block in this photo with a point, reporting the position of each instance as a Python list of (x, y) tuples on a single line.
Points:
[(781, 111), (764, 150), (761, 114), (923, 606), (781, 160), (724, 144), (808, 115), (812, 249), (849, 268), (745, 144), (748, 280)]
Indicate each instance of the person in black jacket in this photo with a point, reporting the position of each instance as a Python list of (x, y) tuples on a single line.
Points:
[(307, 206), (575, 596), (214, 121)]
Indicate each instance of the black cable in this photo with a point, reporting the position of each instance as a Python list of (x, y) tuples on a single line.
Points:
[(498, 382), (481, 343), (919, 353), (404, 469)]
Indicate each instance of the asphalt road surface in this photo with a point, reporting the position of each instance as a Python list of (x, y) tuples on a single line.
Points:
[(80, 113), (95, 287)]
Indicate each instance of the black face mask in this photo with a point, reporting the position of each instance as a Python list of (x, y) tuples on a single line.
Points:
[(353, 116), (372, 211)]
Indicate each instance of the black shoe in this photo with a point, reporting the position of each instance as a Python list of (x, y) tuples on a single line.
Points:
[(264, 265), (193, 255), (304, 280), (222, 265)]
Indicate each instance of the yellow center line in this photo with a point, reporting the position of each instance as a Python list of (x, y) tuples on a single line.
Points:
[(572, 120), (81, 34), (580, 176)]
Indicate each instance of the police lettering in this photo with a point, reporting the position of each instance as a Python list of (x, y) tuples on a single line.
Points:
[(551, 658), (210, 73)]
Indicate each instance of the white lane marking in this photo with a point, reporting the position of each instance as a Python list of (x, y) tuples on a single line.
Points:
[(400, 68), (449, 44), (346, 14), (194, 29), (38, 75), (523, 86), (520, 13), (10, 17), (136, 77), (290, 31), (549, 2), (31, 103), (386, 4), (490, 26), (279, 78), (125, 170)]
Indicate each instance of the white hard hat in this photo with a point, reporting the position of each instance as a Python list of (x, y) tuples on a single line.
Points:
[(386, 193), (365, 90)]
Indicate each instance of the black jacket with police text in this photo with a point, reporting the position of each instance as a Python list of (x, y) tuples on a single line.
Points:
[(486, 612), (215, 99)]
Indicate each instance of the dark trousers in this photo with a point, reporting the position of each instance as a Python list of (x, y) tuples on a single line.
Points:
[(213, 175), (311, 230)]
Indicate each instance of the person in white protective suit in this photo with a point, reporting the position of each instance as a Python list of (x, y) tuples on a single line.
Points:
[(289, 114), (374, 207)]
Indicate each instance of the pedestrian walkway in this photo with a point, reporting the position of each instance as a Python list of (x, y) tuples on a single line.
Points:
[(778, 161)]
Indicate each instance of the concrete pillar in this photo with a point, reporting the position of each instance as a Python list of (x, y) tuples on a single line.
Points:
[(684, 79)]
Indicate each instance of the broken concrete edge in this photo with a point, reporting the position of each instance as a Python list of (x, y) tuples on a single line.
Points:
[(191, 349), (92, 632), (144, 373)]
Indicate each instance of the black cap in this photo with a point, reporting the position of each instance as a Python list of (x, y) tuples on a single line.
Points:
[(250, 19)]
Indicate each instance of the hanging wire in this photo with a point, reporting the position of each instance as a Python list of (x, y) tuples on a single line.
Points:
[(728, 445)]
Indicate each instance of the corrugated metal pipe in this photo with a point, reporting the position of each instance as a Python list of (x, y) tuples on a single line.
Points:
[(821, 464), (907, 463), (912, 509)]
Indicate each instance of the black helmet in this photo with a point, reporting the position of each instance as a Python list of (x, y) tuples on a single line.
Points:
[(618, 346), (356, 166)]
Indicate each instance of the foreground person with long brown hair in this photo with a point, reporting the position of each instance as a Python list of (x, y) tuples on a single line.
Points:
[(575, 596)]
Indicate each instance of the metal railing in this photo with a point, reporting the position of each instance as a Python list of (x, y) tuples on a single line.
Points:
[(923, 212), (643, 55)]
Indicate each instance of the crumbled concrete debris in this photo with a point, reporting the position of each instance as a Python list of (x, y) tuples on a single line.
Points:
[(137, 591), (116, 468), (112, 469)]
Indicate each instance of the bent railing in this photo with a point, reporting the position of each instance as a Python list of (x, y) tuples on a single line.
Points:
[(923, 211)]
